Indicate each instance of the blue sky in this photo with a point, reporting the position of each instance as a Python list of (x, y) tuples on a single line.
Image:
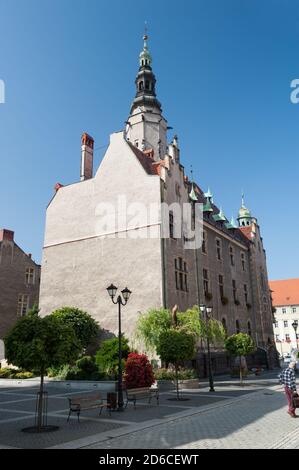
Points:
[(223, 68)]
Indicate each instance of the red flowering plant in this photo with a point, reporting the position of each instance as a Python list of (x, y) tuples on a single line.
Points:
[(138, 371)]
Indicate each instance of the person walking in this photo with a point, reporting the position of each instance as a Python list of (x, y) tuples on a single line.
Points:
[(288, 379)]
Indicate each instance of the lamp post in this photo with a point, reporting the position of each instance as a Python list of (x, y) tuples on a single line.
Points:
[(206, 311), (120, 300), (295, 326)]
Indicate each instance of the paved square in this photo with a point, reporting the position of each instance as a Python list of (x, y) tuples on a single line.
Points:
[(251, 416)]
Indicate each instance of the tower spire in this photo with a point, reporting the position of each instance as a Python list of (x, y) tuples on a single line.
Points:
[(146, 127), (244, 218), (243, 199)]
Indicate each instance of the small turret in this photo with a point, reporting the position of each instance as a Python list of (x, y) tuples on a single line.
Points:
[(245, 217)]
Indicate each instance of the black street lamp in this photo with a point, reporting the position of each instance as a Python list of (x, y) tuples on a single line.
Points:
[(295, 326), (121, 300), (206, 311)]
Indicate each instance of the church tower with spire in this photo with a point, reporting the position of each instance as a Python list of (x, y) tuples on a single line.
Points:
[(105, 228), (146, 128)]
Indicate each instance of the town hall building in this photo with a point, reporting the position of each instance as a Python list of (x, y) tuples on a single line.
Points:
[(93, 237)]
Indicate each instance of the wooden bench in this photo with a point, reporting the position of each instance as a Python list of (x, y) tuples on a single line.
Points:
[(85, 402), (135, 394)]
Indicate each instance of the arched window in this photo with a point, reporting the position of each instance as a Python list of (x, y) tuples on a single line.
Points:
[(147, 83), (140, 86), (224, 324), (238, 326), (249, 328)]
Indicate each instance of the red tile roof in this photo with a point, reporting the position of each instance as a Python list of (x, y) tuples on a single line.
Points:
[(285, 292)]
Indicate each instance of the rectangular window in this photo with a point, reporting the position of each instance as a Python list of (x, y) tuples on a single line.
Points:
[(181, 275), (185, 283), (277, 337), (206, 281), (23, 304), (287, 337), (284, 310), (204, 243), (276, 324), (235, 290), (29, 276), (221, 286), (218, 249), (294, 310), (171, 226), (181, 281), (243, 261), (232, 256), (285, 323), (246, 293), (177, 280)]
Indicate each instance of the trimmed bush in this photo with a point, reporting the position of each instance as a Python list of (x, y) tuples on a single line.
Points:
[(23, 375), (169, 374), (138, 371), (5, 373)]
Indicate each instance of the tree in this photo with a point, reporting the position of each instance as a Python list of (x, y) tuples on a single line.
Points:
[(138, 371), (107, 355), (86, 328), (176, 345), (151, 324), (36, 343), (240, 345)]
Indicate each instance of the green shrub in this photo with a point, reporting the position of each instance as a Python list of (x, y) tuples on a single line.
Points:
[(85, 369), (107, 356), (169, 374), (23, 375), (87, 364), (59, 373), (5, 373), (75, 373)]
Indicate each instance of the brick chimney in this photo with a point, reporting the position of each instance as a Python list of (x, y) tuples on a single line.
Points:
[(6, 235), (86, 157)]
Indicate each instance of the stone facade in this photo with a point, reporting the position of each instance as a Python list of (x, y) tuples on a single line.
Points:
[(19, 282), (84, 252)]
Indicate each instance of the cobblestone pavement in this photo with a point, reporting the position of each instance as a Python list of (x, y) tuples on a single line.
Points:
[(253, 416)]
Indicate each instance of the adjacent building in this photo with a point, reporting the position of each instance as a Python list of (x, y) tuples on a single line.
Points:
[(285, 297), (107, 228), (19, 282)]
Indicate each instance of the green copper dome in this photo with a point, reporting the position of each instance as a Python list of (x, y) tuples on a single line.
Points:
[(220, 217), (244, 212), (245, 217), (145, 59)]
